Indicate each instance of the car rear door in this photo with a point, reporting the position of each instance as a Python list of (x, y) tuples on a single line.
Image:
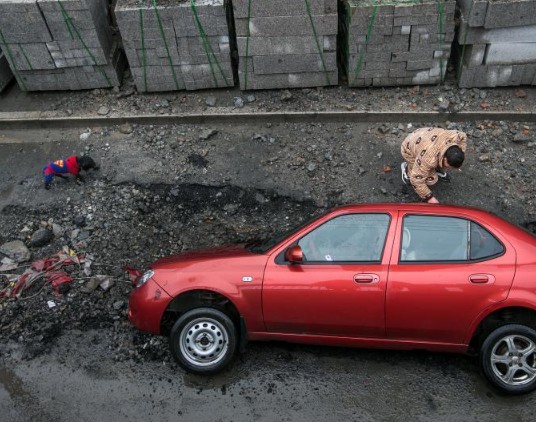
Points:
[(444, 272), (339, 289)]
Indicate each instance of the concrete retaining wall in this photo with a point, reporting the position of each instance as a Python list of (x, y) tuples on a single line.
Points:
[(387, 43), (286, 43), (59, 45), (497, 43), (172, 48)]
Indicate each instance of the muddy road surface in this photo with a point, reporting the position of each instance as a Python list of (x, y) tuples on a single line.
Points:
[(165, 189)]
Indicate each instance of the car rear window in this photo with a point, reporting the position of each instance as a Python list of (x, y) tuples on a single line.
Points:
[(427, 238)]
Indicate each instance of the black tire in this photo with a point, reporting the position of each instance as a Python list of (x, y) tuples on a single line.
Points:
[(508, 359), (203, 341)]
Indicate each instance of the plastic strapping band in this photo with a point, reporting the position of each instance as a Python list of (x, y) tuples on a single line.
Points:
[(69, 22), (66, 19), (343, 22), (247, 47), (208, 48), (359, 64), (440, 36), (165, 44), (26, 57), (320, 50), (10, 55), (143, 52), (462, 56)]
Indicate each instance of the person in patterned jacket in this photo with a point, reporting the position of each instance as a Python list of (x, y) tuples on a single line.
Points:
[(428, 153), (71, 165)]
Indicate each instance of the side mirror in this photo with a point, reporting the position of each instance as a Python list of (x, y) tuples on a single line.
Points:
[(294, 254)]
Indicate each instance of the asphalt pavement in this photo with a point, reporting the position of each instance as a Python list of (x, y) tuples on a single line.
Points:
[(78, 375)]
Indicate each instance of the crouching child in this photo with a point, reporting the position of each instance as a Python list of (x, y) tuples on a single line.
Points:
[(72, 165)]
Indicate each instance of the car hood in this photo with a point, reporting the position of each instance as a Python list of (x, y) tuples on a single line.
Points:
[(184, 259)]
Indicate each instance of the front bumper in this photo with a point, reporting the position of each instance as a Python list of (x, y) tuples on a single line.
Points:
[(146, 306)]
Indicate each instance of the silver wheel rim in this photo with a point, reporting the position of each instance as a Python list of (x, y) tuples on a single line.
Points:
[(204, 342), (513, 360)]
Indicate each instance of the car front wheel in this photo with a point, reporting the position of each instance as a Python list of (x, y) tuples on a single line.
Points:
[(203, 341), (508, 358)]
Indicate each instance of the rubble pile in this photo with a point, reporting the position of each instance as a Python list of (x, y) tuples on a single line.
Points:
[(497, 43), (171, 47), (112, 227), (390, 43), (286, 43), (60, 44)]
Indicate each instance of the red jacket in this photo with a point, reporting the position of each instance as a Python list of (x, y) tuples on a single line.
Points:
[(70, 165)]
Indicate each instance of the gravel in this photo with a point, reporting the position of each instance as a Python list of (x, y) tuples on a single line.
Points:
[(167, 189), (127, 101)]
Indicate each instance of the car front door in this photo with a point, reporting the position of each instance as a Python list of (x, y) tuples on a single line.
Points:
[(339, 288), (445, 272)]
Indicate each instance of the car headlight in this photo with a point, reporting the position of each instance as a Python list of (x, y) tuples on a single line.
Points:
[(142, 279)]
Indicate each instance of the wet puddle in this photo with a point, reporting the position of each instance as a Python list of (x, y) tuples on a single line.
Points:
[(13, 385)]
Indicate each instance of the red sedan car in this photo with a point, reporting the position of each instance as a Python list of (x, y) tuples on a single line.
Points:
[(397, 276)]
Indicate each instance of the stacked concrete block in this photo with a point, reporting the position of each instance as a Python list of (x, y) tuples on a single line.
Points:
[(5, 72), (390, 43), (176, 46), (497, 43), (60, 44), (286, 43)]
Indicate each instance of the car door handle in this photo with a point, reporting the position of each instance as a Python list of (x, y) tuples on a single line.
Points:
[(366, 278), (481, 278)]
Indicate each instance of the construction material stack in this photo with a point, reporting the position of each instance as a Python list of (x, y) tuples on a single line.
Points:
[(497, 43), (59, 44), (286, 43), (5, 72), (176, 45), (391, 43)]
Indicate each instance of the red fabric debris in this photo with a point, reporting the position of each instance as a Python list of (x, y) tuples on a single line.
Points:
[(23, 283), (57, 278), (44, 264), (47, 268)]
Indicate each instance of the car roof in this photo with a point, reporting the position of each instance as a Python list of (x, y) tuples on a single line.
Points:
[(411, 206), (444, 209)]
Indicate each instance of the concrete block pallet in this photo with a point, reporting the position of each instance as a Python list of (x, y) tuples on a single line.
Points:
[(59, 44), (176, 46), (286, 43), (5, 72), (496, 43), (390, 43)]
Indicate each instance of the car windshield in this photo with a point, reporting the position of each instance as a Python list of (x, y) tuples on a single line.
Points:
[(262, 246)]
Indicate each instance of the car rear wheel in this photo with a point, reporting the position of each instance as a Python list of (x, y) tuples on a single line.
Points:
[(508, 358), (203, 341)]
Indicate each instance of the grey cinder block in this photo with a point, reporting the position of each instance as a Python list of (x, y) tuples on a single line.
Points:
[(286, 63), (293, 80), (510, 13), (286, 26)]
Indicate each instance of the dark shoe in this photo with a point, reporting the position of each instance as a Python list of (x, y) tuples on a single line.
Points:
[(445, 177), (404, 170)]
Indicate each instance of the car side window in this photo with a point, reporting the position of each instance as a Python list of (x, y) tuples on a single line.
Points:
[(347, 238), (434, 238), (483, 243), (427, 238)]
